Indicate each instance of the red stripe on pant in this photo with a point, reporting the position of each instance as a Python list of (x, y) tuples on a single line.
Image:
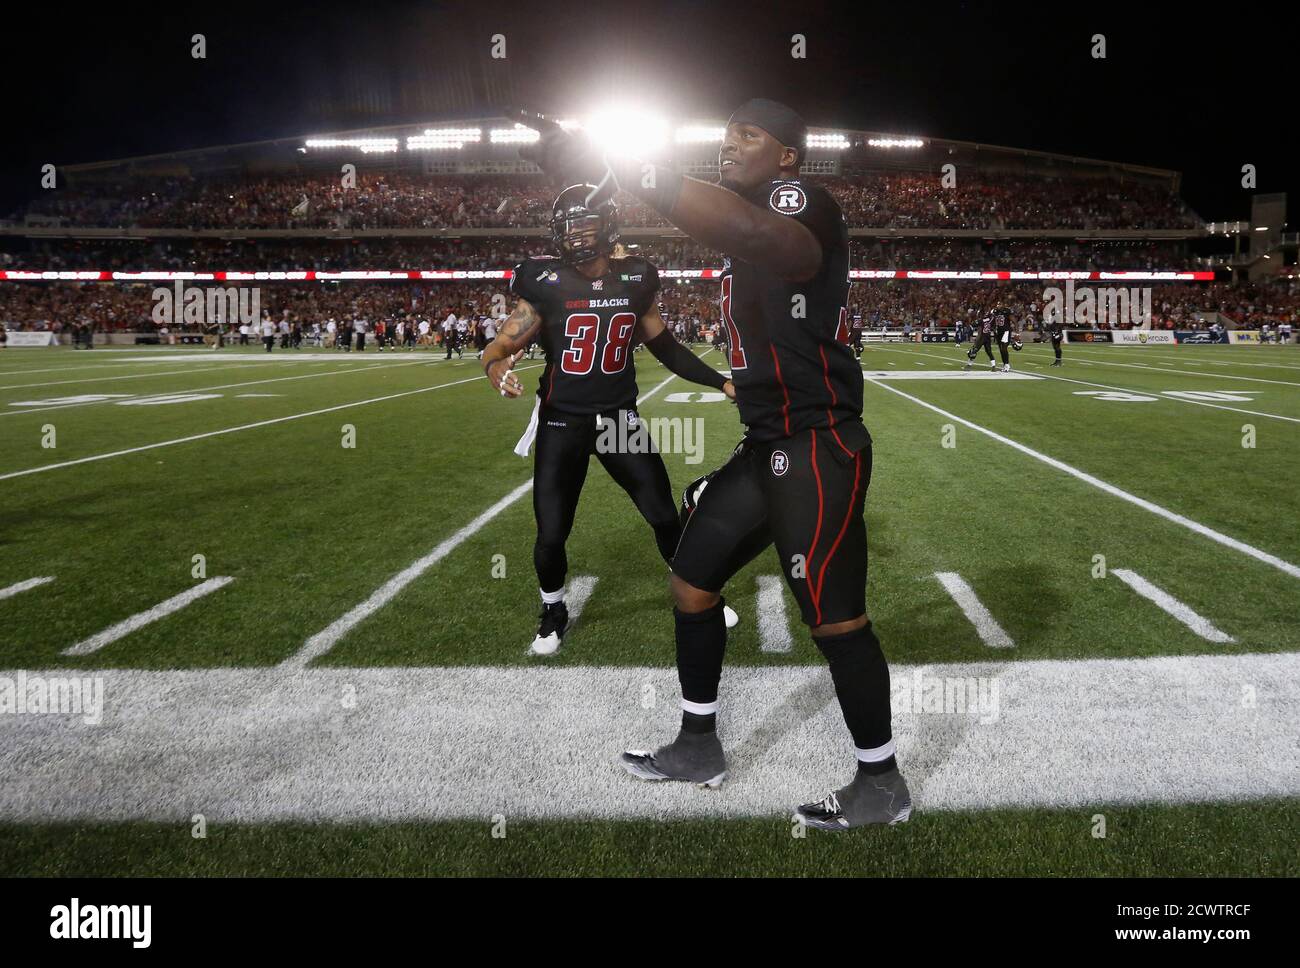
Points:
[(848, 513), (812, 587)]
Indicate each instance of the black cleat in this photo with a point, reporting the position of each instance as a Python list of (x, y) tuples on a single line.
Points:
[(555, 620), (867, 800), (692, 757)]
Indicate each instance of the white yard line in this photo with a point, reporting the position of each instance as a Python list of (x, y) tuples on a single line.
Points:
[(1146, 354), (1186, 522), (232, 430), (24, 586), (222, 386), (1107, 386), (147, 617), (986, 626), (773, 628), (1098, 361), (132, 376), (424, 744), (328, 637), (1167, 603)]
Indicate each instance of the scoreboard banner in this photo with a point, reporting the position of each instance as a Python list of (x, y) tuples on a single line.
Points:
[(31, 339), (1087, 335), (1143, 337), (460, 275)]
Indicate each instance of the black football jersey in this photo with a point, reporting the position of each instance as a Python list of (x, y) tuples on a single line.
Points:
[(788, 341), (587, 330)]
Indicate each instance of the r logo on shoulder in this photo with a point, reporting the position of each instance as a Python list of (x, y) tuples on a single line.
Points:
[(788, 199), (780, 463)]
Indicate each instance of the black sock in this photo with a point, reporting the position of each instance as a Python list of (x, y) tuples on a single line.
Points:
[(861, 678), (551, 564), (701, 644), (880, 766), (699, 723)]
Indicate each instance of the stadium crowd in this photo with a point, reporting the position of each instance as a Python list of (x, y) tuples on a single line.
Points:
[(506, 251), (104, 307), (402, 199)]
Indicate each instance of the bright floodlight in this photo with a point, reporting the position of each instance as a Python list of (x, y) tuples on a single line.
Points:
[(628, 131)]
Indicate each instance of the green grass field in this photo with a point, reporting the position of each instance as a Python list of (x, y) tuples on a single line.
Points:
[(1178, 465)]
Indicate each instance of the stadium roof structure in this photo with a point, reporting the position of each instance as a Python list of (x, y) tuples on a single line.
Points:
[(489, 145)]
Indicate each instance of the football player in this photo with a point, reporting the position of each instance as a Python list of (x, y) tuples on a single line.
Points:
[(799, 476), (982, 338), (586, 308), (1058, 337), (1006, 336)]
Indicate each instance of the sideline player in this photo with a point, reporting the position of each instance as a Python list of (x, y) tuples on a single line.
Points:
[(798, 478), (586, 308)]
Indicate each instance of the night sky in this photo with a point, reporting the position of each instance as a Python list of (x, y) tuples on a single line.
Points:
[(1178, 89)]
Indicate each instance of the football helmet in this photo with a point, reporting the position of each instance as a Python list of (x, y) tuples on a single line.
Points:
[(582, 232)]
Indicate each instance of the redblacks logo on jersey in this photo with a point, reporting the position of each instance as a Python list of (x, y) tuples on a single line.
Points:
[(780, 463), (595, 303), (788, 199)]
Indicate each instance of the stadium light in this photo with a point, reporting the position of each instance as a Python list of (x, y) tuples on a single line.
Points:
[(896, 142), (828, 139), (628, 131), (435, 138), (367, 145), (518, 135)]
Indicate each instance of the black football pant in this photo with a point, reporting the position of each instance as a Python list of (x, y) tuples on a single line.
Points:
[(1003, 342), (806, 495), (565, 443), (984, 341), (1056, 346)]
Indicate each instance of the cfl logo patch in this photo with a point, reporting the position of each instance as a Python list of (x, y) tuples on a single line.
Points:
[(788, 200), (780, 463)]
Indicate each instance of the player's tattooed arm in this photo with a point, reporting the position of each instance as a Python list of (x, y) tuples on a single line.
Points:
[(676, 357), (512, 339)]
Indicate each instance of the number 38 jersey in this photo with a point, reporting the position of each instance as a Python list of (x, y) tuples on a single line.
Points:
[(788, 341), (587, 327)]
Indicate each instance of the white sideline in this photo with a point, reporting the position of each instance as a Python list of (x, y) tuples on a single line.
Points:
[(23, 586), (773, 628), (1156, 509), (1199, 624), (232, 430), (148, 616), (986, 626), (328, 637), (256, 745)]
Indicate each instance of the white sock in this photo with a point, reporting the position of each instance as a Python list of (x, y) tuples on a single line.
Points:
[(877, 754), (552, 598)]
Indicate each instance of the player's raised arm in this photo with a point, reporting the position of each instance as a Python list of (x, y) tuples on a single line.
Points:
[(672, 354), (512, 339), (762, 138)]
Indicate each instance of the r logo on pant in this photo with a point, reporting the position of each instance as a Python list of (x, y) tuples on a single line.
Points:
[(780, 463)]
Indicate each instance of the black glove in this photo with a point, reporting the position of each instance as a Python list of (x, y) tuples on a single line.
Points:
[(567, 157)]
